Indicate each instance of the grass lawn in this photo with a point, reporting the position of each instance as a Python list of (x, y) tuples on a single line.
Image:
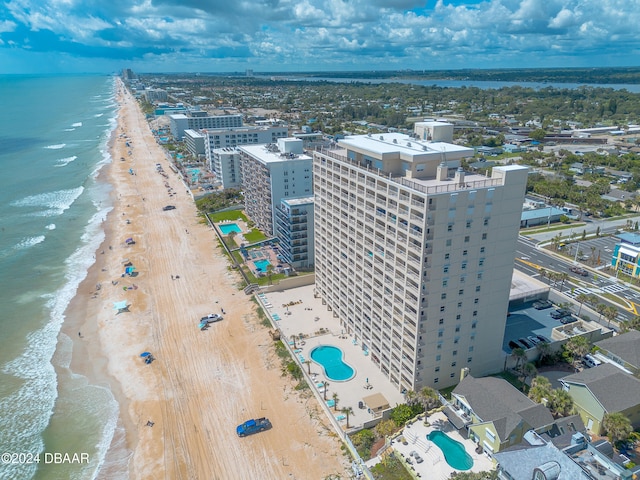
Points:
[(227, 215), (512, 379), (254, 236)]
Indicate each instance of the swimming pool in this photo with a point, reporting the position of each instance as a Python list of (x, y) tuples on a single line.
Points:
[(454, 452), (332, 360), (227, 228), (261, 265)]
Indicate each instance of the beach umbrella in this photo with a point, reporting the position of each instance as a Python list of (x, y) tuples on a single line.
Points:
[(145, 354)]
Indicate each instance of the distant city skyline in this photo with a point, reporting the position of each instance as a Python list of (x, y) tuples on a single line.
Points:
[(71, 36)]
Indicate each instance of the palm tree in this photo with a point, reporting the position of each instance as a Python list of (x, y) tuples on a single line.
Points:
[(576, 347), (544, 349), (560, 403), (562, 277), (540, 389), (581, 298), (528, 370), (347, 411), (611, 313), (308, 362), (335, 401), (410, 397), (601, 308), (520, 355), (543, 272), (270, 273), (617, 426), (325, 384), (429, 398)]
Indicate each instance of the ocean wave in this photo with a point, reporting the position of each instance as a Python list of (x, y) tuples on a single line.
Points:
[(77, 124), (51, 226), (69, 129), (29, 242), (63, 162), (56, 147), (54, 202), (98, 115), (26, 412)]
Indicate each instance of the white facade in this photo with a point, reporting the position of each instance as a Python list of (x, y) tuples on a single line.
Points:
[(179, 122), (295, 231), (269, 174), (195, 142), (232, 137), (225, 163), (416, 262), (434, 131)]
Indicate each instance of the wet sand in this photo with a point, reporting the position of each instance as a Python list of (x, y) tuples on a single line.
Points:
[(202, 383)]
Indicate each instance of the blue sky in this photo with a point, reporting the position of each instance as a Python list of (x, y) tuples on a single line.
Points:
[(73, 36)]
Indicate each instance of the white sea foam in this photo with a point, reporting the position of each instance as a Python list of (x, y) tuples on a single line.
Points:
[(29, 242), (69, 129), (51, 226), (77, 124), (56, 147), (53, 203), (63, 162), (98, 115)]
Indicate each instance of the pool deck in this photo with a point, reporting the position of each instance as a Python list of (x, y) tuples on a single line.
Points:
[(435, 466), (308, 318)]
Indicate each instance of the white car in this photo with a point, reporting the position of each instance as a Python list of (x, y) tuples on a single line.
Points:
[(211, 318)]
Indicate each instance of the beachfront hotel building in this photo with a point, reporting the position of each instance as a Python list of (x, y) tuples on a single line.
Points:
[(247, 135), (225, 163), (198, 120), (270, 173), (415, 256), (294, 218)]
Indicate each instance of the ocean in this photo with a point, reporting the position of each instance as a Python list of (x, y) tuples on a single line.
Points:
[(54, 133)]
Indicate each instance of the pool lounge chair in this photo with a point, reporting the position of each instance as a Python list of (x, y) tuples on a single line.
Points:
[(340, 417), (331, 403)]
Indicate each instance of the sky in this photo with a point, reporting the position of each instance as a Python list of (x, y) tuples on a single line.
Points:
[(151, 36)]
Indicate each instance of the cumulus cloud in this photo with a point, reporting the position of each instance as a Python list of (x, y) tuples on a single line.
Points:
[(299, 34)]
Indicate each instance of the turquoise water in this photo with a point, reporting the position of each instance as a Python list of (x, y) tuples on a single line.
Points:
[(227, 228), (454, 452), (262, 265), (331, 359), (53, 144)]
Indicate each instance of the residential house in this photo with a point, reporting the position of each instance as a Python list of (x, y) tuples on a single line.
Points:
[(496, 414), (601, 390), (623, 349)]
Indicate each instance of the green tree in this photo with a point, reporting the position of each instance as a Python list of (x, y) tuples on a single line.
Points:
[(335, 401), (385, 428), (402, 413), (490, 475), (576, 348), (544, 349), (528, 370), (581, 298), (520, 356), (347, 411), (428, 398), (540, 389), (538, 134), (560, 404), (617, 426), (611, 313)]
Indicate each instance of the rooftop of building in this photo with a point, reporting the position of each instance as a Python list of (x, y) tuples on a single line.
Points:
[(298, 201), (625, 346), (270, 153), (244, 128), (407, 147)]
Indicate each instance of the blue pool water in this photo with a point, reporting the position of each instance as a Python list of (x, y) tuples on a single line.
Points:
[(227, 228), (331, 359), (454, 452), (262, 265)]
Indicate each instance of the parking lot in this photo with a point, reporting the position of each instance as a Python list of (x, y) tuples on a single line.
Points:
[(527, 321)]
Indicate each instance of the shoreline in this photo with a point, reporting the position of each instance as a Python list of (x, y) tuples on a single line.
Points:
[(202, 384)]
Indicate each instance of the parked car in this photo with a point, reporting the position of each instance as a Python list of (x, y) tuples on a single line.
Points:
[(590, 361), (543, 339), (253, 426), (169, 207), (568, 319), (542, 304), (211, 318), (560, 312), (533, 340), (513, 345), (525, 343)]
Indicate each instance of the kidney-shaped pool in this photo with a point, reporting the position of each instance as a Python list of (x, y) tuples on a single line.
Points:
[(332, 360)]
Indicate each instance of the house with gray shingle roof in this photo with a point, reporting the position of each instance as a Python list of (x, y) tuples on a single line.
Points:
[(623, 349), (538, 462), (499, 413), (601, 390)]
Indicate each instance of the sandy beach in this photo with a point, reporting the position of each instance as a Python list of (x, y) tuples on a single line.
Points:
[(202, 383)]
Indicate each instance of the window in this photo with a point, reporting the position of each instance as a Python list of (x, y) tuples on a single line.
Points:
[(464, 252), (469, 359), (466, 239), (478, 288), (443, 296), (458, 317), (435, 380), (448, 243), (446, 256), (449, 228), (473, 325), (481, 249), (461, 292), (442, 308), (441, 321), (459, 304), (464, 265), (471, 348), (486, 222), (479, 275), (437, 369), (475, 313), (437, 358), (481, 262), (484, 236), (445, 282), (446, 269), (455, 352), (440, 334), (468, 223), (453, 364), (457, 328)]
